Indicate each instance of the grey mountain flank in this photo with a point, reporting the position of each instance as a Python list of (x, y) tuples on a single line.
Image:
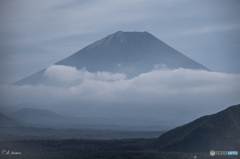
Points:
[(131, 53)]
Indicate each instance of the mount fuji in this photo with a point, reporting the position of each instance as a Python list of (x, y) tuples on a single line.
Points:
[(130, 53)]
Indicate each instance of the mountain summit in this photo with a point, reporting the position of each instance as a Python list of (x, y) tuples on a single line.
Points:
[(131, 53)]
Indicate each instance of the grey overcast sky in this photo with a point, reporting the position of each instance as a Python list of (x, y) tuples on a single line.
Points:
[(35, 34)]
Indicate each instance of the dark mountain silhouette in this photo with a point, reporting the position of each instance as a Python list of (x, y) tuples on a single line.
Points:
[(131, 53), (7, 121), (36, 117), (220, 131), (33, 128), (29, 113), (43, 118)]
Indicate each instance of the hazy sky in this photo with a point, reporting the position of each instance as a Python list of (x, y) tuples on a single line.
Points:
[(35, 34)]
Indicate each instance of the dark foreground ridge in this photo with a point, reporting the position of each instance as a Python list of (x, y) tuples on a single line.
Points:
[(219, 132), (131, 53)]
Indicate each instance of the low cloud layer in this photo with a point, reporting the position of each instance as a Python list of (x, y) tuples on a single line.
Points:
[(174, 94), (71, 74)]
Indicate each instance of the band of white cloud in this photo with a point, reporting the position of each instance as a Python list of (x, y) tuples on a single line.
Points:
[(155, 92), (71, 74)]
